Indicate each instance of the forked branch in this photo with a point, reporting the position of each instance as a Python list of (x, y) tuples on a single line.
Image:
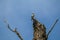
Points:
[(15, 31)]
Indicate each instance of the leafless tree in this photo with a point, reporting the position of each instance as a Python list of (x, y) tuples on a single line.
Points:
[(39, 29)]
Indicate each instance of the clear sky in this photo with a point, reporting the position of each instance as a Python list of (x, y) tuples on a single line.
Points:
[(18, 13)]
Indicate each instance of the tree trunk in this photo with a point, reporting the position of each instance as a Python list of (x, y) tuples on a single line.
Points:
[(39, 31)]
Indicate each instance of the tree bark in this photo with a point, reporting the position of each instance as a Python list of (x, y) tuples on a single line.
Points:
[(40, 29)]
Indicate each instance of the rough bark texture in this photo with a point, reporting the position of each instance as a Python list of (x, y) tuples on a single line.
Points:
[(39, 30)]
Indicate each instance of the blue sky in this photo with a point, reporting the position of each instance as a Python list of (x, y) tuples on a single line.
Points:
[(18, 13)]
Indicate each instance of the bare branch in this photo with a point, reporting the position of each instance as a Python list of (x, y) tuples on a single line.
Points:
[(10, 28), (52, 27), (15, 31)]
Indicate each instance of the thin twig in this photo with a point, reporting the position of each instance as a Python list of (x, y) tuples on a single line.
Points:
[(15, 31), (52, 27)]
